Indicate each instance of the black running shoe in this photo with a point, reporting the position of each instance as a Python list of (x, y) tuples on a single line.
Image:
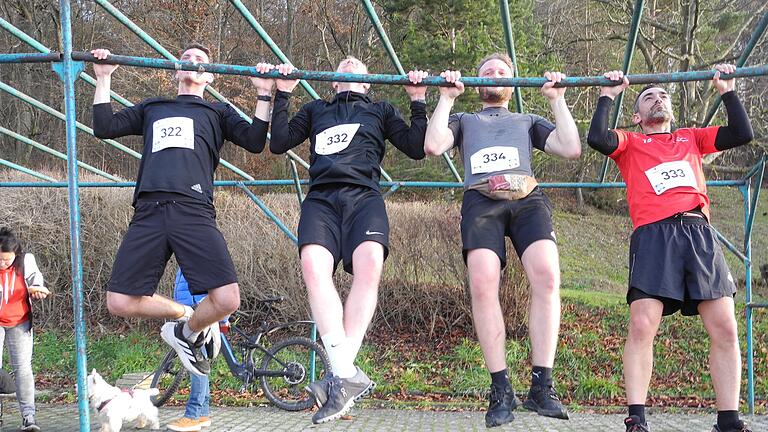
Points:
[(634, 424), (190, 354), (501, 404), (360, 385), (340, 401), (545, 402), (28, 424), (741, 427)]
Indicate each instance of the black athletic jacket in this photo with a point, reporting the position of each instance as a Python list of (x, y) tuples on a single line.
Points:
[(180, 170), (358, 163)]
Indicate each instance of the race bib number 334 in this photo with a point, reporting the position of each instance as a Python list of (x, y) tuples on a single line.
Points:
[(335, 139), (170, 132), (670, 175), (494, 159)]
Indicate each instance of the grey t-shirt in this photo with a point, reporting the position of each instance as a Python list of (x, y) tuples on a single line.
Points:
[(495, 141)]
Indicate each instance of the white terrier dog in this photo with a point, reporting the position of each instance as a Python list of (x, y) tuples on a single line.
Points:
[(114, 406)]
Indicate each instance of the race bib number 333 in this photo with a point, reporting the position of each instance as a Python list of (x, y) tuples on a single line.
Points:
[(173, 132), (494, 159), (335, 139), (670, 175)]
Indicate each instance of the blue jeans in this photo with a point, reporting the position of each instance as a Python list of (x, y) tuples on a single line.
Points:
[(19, 340), (199, 401)]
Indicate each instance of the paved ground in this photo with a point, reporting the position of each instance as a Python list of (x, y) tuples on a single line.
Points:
[(65, 418)]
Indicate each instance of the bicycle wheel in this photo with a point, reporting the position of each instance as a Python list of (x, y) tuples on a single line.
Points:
[(291, 361), (168, 378)]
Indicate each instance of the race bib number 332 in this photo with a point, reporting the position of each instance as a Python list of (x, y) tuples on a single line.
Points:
[(494, 159), (670, 175), (170, 132), (335, 139)]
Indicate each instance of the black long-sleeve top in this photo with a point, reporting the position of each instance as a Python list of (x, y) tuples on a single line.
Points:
[(347, 136), (738, 131), (182, 141)]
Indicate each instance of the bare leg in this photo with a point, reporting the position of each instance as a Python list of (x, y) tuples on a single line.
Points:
[(484, 269), (219, 303), (644, 320), (368, 261), (155, 306), (724, 355), (542, 266)]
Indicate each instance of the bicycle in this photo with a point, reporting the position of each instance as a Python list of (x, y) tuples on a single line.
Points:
[(287, 365)]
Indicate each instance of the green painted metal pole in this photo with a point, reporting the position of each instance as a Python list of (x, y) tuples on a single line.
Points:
[(29, 58), (59, 115), (369, 9), (629, 52), (58, 154), (296, 181), (31, 172), (68, 71), (742, 60), (510, 42)]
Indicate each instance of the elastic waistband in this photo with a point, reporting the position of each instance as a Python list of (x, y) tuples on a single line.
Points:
[(164, 197), (695, 216)]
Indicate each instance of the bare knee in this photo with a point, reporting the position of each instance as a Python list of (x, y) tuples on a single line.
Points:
[(484, 287), (545, 285), (642, 328), (225, 299), (368, 258), (724, 333), (118, 304)]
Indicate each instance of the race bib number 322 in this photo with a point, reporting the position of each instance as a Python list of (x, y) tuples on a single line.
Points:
[(173, 132), (335, 139), (670, 175), (494, 159)]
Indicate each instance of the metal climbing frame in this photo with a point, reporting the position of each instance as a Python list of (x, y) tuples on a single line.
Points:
[(69, 67)]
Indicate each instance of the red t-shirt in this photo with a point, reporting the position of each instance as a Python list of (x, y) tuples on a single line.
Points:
[(663, 172), (14, 306)]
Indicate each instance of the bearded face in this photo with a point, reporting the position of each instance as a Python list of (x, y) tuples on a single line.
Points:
[(495, 68), (495, 94)]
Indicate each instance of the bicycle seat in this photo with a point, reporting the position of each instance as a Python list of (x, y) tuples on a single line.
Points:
[(270, 300)]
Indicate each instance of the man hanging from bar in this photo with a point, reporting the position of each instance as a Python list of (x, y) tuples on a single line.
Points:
[(173, 204), (343, 217), (501, 200), (675, 262)]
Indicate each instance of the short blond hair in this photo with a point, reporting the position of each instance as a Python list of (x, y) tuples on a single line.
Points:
[(496, 56)]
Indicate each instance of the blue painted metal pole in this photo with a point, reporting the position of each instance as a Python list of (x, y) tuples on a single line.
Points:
[(268, 212), (742, 60), (369, 9), (296, 181), (748, 299), (46, 149), (629, 51), (25, 170), (68, 71), (510, 41), (30, 58), (226, 69)]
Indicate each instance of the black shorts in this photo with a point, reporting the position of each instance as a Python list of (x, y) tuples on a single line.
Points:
[(485, 222), (171, 224), (678, 262), (339, 218)]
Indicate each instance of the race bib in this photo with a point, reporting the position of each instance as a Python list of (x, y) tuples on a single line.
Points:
[(173, 132), (335, 139), (493, 159), (671, 175)]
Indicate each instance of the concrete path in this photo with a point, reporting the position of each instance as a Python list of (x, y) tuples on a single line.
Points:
[(65, 418)]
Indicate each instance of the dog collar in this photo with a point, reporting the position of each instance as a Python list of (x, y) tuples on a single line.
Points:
[(104, 404)]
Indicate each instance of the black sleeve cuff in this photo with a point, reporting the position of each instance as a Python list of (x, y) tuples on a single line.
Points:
[(418, 108)]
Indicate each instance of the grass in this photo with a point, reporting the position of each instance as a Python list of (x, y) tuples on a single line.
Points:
[(588, 365)]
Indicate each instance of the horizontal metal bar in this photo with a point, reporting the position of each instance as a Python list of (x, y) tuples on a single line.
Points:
[(419, 184), (33, 173), (30, 57), (757, 305), (401, 79)]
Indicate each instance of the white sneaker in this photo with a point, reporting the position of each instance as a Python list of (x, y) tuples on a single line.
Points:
[(190, 354), (213, 341)]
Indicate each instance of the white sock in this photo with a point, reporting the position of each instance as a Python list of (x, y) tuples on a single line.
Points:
[(353, 347), (188, 311), (188, 333), (337, 347)]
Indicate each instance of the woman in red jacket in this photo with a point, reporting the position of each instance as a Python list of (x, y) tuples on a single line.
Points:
[(20, 281)]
